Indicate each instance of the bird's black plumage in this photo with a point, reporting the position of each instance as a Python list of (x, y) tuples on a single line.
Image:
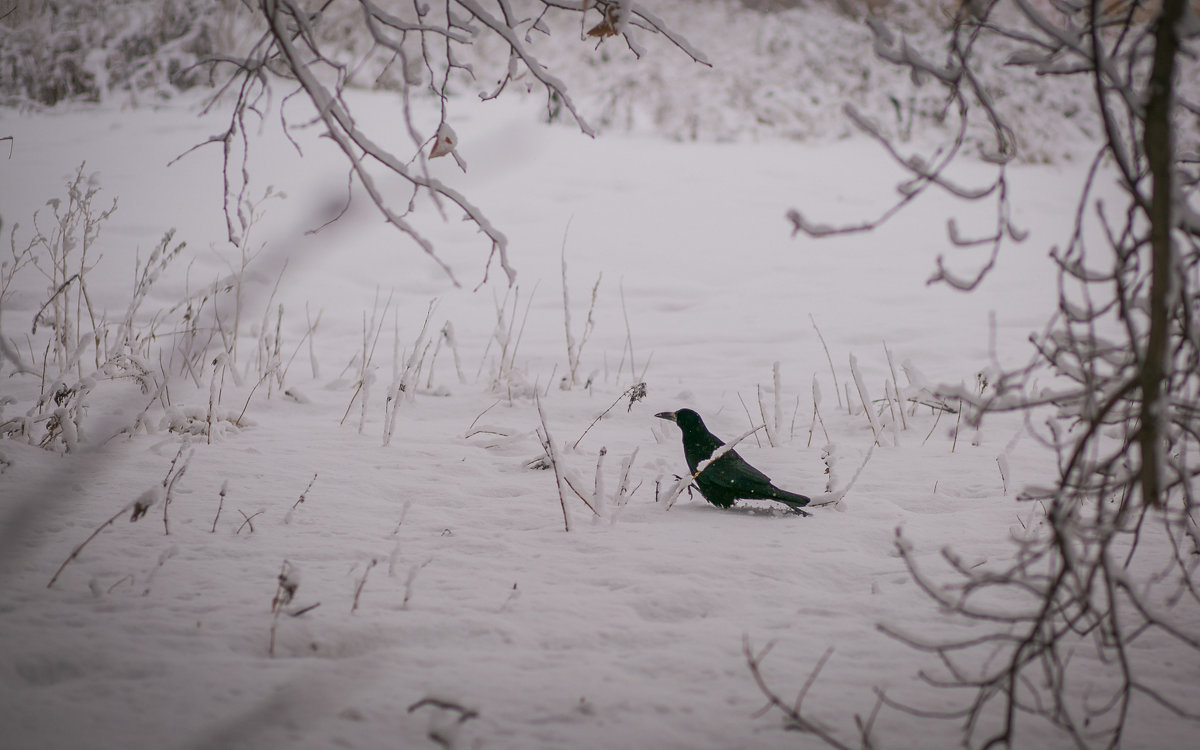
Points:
[(729, 478)]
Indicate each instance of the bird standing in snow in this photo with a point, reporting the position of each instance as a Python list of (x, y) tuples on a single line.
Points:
[(729, 477)]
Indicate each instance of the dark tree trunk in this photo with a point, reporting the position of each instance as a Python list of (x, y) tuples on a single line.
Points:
[(1159, 150)]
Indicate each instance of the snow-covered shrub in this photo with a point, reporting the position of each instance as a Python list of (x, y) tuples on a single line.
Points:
[(780, 68), (787, 68), (64, 50)]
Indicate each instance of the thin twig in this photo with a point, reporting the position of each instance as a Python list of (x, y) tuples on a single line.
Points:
[(304, 495), (362, 582), (552, 455), (220, 505), (635, 392)]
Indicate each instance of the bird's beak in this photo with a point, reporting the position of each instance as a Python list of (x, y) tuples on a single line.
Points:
[(667, 415)]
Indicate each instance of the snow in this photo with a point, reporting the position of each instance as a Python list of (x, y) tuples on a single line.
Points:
[(434, 565)]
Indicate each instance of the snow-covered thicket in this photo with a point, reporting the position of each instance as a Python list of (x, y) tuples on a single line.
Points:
[(778, 69), (788, 72), (143, 51)]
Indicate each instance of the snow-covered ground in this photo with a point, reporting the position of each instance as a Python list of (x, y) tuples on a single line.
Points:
[(439, 561)]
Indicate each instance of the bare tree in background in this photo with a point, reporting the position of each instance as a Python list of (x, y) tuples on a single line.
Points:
[(1113, 388), (419, 48)]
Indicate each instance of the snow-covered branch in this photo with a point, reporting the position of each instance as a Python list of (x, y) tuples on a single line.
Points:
[(426, 44)]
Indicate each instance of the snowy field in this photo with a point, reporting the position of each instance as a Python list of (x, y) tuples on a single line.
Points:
[(433, 563)]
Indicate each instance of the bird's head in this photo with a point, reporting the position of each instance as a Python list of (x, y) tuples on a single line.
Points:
[(685, 418)]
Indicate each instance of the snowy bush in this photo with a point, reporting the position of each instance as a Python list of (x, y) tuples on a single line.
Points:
[(780, 68), (789, 69), (84, 50)]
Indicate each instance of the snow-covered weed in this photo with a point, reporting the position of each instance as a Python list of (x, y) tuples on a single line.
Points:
[(506, 336), (362, 582), (199, 421), (773, 422), (553, 461), (175, 472), (134, 341), (285, 592), (299, 501), (59, 252), (574, 346), (635, 376), (220, 505), (152, 349), (60, 412), (363, 361), (446, 335), (405, 380), (74, 349)]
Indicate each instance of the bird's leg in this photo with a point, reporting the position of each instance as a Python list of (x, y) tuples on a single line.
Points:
[(689, 487)]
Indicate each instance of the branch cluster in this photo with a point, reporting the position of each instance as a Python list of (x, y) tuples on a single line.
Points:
[(1111, 388), (418, 50)]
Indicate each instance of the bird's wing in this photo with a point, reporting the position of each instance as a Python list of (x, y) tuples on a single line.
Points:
[(732, 472)]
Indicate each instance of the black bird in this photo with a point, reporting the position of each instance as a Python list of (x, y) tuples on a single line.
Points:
[(729, 477)]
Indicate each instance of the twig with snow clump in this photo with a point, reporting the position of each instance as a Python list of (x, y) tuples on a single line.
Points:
[(635, 392)]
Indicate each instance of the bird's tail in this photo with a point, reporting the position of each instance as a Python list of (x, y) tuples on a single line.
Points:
[(793, 500)]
